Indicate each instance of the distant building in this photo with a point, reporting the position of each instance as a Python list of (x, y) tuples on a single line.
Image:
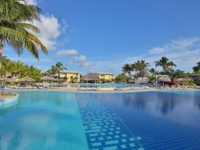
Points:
[(71, 76), (105, 75)]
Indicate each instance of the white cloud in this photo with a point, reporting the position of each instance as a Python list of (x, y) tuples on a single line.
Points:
[(67, 52), (82, 58), (50, 29), (31, 2), (184, 52), (82, 61), (65, 25), (156, 50), (86, 64)]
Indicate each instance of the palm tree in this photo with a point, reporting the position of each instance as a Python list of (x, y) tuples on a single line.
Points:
[(141, 65), (196, 68), (5, 65), (127, 69), (164, 63), (16, 68), (13, 29), (59, 67), (49, 72), (153, 71)]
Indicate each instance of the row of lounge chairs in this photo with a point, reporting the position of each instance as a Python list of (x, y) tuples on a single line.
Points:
[(131, 88), (89, 89), (173, 88), (27, 87)]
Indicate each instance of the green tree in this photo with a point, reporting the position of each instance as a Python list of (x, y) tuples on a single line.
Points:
[(196, 69), (153, 71), (59, 67), (141, 65), (5, 65), (15, 31), (121, 78), (127, 69), (164, 63)]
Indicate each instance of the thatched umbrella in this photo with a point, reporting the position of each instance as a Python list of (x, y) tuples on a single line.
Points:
[(90, 77), (164, 78), (59, 80), (28, 79), (47, 78), (3, 79), (10, 80)]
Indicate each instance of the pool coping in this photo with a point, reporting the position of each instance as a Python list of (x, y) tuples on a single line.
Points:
[(106, 91), (8, 100)]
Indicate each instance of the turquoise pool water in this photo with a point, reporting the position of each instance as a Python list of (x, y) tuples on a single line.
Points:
[(102, 121)]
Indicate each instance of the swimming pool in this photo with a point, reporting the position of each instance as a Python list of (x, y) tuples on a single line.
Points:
[(105, 121)]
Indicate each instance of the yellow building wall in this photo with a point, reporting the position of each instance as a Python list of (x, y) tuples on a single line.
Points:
[(69, 75), (107, 77)]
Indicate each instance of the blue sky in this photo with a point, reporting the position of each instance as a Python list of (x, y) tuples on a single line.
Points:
[(103, 35)]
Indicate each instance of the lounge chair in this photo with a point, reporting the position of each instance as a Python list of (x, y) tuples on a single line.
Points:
[(3, 86)]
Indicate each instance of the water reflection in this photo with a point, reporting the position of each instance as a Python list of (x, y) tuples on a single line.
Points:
[(15, 141), (197, 103), (137, 101), (162, 102), (166, 103)]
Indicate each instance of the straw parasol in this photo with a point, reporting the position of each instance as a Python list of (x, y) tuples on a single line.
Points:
[(28, 79), (59, 80), (47, 78), (164, 78), (3, 79), (10, 80)]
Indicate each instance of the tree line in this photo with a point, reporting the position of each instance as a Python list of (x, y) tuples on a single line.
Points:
[(164, 62), (17, 69)]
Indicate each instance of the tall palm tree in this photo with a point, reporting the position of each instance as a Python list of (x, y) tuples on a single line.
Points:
[(60, 67), (164, 63), (14, 30), (141, 65)]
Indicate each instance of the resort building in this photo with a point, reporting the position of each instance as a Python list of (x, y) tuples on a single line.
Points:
[(106, 76), (70, 76)]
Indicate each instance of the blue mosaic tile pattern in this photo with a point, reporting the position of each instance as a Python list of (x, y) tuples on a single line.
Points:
[(104, 130)]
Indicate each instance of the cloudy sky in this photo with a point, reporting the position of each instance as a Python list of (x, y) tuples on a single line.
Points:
[(103, 35)]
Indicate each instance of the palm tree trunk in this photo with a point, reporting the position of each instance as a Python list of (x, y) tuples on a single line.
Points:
[(2, 44)]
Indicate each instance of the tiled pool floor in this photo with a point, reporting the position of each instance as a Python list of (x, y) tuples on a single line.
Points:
[(104, 130)]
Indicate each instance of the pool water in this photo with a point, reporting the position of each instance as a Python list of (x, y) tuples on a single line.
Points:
[(154, 120)]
